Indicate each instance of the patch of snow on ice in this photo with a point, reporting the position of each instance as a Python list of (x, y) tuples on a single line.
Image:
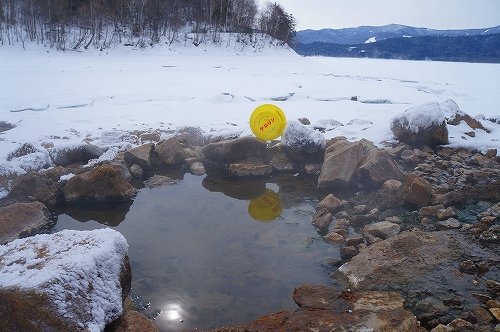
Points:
[(422, 116), (73, 262), (327, 124), (371, 40)]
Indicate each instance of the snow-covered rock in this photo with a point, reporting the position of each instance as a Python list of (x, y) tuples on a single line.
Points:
[(421, 125), (68, 281), (298, 137), (454, 115), (80, 153)]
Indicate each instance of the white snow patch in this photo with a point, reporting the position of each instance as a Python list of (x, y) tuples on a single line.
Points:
[(421, 117), (327, 124), (66, 177), (371, 40), (73, 262), (109, 155)]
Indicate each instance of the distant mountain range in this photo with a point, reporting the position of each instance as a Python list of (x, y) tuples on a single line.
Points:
[(396, 41)]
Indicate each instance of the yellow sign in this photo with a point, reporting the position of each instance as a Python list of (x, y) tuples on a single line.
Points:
[(266, 207), (267, 122)]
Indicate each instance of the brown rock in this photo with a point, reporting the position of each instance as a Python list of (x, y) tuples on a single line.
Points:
[(21, 219), (322, 219), (491, 153), (140, 155), (150, 137), (136, 171), (377, 168), (330, 202), (170, 152), (416, 191), (197, 169), (132, 321), (458, 117), (348, 252), (383, 229), (105, 183), (447, 213), (496, 313), (430, 211), (279, 160), (334, 238), (157, 181), (450, 223), (235, 150), (78, 154), (342, 158), (42, 187), (250, 169)]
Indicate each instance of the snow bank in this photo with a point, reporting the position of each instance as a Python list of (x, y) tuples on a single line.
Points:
[(67, 266), (421, 117)]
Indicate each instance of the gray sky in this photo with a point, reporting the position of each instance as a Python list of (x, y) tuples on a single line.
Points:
[(436, 14)]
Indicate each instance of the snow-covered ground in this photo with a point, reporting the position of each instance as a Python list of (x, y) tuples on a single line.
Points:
[(67, 97)]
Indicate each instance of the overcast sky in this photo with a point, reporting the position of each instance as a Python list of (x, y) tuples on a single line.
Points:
[(436, 14)]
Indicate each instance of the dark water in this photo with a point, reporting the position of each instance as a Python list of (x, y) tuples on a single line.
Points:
[(201, 259)]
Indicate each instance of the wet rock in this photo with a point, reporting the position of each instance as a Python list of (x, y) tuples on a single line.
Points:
[(468, 267), (104, 183), (370, 216), (493, 287), (488, 237), (450, 223), (348, 252), (313, 168), (42, 187), (334, 238), (360, 209), (392, 185), (299, 138), (416, 190), (140, 155), (170, 152), (136, 171), (411, 258), (430, 211), (132, 321), (450, 198), (110, 214), (377, 168), (21, 219), (78, 154), (388, 196), (496, 313), (157, 181), (421, 125), (68, 281), (447, 213), (429, 308), (322, 219), (342, 158), (493, 304), (331, 203), (250, 169), (354, 241), (197, 169), (383, 229), (323, 308)]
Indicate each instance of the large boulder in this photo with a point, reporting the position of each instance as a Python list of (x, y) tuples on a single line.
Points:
[(324, 308), (75, 154), (421, 125), (22, 219), (299, 138), (140, 156), (133, 321), (105, 183), (342, 159), (68, 281)]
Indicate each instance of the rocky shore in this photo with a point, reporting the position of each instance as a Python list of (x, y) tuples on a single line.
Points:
[(416, 223)]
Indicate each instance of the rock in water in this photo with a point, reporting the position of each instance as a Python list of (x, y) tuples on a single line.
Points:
[(421, 125), (170, 152), (22, 219), (105, 183), (68, 281), (140, 155), (299, 138)]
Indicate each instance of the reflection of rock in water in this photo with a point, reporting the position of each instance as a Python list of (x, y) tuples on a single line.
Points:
[(294, 190), (243, 189), (107, 214)]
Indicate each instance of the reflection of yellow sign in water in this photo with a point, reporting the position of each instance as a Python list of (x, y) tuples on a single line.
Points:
[(267, 122), (266, 207)]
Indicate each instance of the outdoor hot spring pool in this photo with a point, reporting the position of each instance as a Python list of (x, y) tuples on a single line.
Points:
[(203, 261)]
